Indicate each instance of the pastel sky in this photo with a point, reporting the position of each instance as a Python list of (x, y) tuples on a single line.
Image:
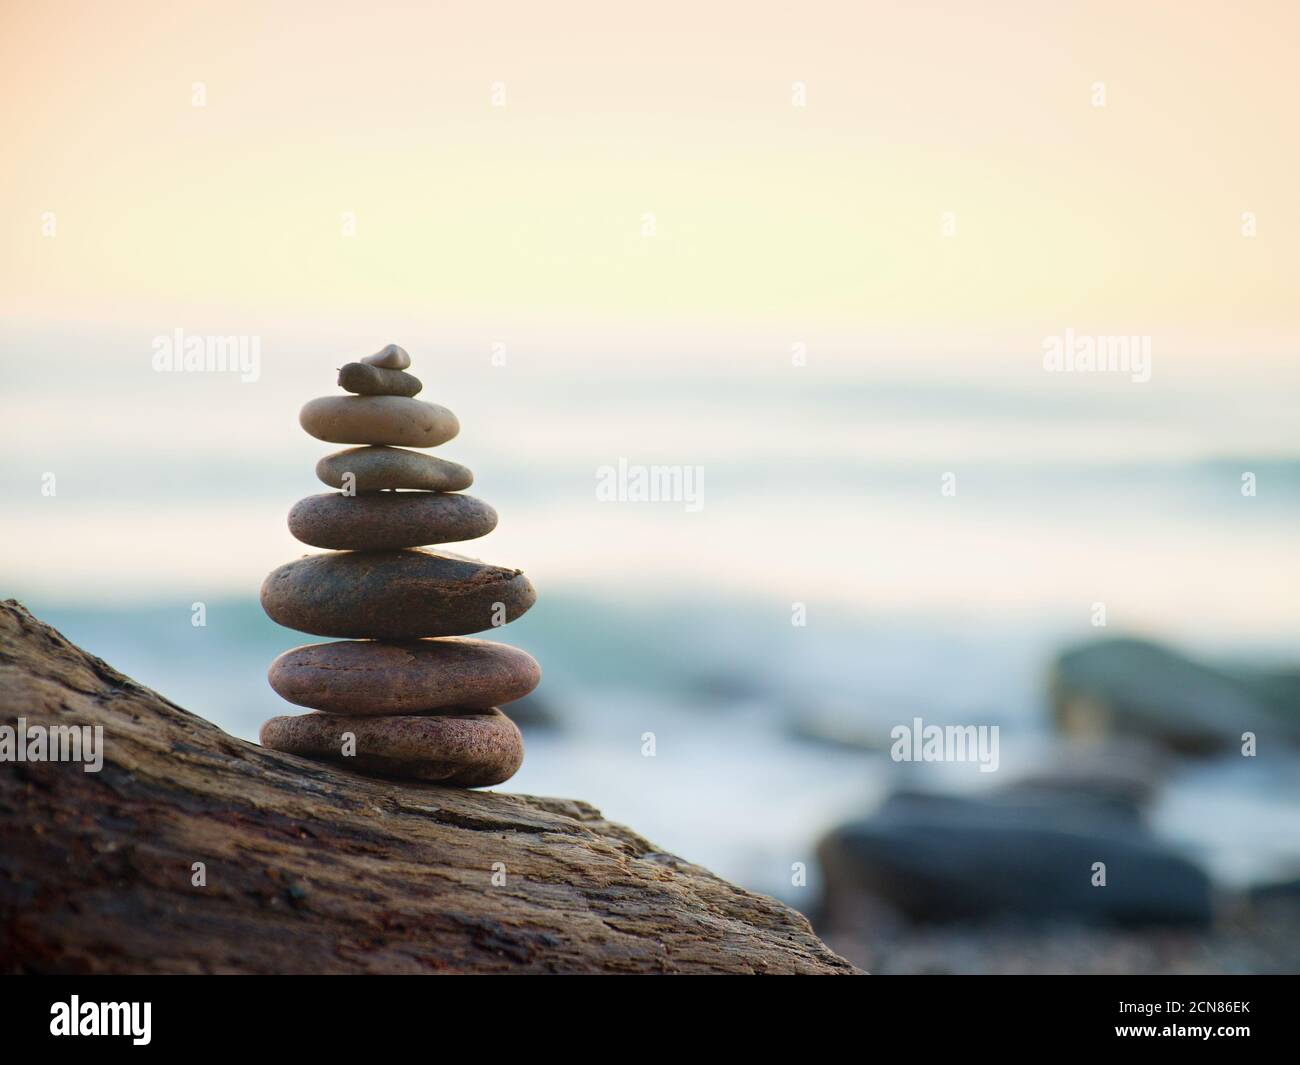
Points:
[(1122, 218), (649, 224)]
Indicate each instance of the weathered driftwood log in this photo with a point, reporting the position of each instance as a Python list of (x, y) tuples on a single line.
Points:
[(314, 869)]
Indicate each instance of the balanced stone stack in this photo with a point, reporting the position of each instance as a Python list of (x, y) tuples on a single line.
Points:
[(400, 695)]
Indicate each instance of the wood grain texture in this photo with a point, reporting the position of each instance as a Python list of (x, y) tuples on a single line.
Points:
[(314, 869)]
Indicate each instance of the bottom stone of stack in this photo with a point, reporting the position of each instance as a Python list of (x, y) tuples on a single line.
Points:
[(471, 750)]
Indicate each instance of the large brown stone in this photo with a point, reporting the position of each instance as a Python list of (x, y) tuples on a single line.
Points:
[(396, 420), (367, 677), (367, 380), (376, 468), (385, 521), (472, 750), (394, 595), (352, 874)]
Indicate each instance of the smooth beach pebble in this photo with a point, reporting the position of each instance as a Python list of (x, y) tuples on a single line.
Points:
[(416, 676), (385, 521), (472, 750), (390, 357), (375, 468), (394, 595), (396, 420), (366, 380)]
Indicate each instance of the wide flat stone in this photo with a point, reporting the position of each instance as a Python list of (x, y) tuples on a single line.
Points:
[(367, 380), (396, 420), (376, 468), (472, 750), (394, 595), (368, 677), (386, 521)]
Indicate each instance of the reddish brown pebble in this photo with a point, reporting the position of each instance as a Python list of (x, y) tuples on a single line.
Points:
[(471, 750), (386, 521), (416, 676)]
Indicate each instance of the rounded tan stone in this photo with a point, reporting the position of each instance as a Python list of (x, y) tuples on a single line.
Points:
[(386, 521), (394, 595), (371, 678), (389, 357), (472, 750), (366, 380), (376, 468), (395, 420)]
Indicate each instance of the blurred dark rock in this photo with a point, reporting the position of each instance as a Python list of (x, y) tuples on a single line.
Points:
[(840, 722), (941, 858), (1124, 772), (533, 713), (1134, 687), (1279, 893), (1279, 691)]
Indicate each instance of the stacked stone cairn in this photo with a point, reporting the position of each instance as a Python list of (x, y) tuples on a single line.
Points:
[(401, 694)]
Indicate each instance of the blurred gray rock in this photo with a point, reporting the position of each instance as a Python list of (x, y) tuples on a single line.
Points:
[(1125, 772), (1277, 893), (533, 713), (843, 722), (1133, 687)]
